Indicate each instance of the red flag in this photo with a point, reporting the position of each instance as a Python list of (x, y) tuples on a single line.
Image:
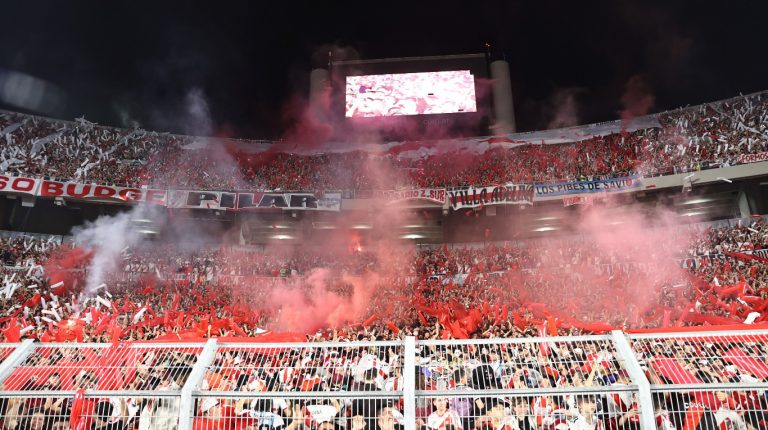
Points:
[(176, 300), (518, 320), (95, 316), (33, 302), (393, 327), (77, 408), (371, 320), (422, 319), (457, 331), (236, 328), (115, 331), (202, 327), (12, 331), (543, 346), (552, 325), (666, 318)]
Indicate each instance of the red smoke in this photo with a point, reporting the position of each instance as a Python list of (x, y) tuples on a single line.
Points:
[(320, 301), (637, 99), (571, 279), (65, 265)]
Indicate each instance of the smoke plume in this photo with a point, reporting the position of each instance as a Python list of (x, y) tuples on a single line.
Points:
[(637, 99)]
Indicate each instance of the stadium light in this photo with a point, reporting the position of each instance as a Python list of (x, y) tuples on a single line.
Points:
[(696, 201), (548, 228), (413, 236)]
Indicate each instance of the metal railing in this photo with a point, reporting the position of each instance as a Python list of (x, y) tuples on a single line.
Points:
[(619, 380), (707, 379)]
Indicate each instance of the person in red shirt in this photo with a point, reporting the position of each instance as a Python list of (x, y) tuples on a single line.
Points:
[(215, 416)]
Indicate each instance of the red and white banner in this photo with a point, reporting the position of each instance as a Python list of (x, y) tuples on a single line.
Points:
[(191, 199), (80, 191), (436, 195), (753, 158), (509, 194), (18, 184), (581, 200)]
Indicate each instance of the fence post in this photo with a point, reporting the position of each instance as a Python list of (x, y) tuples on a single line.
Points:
[(15, 358), (644, 399), (409, 383), (186, 404)]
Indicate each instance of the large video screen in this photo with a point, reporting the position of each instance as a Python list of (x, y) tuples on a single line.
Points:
[(442, 92), (410, 98)]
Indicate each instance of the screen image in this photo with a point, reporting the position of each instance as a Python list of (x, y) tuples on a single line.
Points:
[(369, 96)]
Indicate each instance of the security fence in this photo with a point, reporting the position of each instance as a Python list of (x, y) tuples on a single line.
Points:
[(688, 380), (707, 379)]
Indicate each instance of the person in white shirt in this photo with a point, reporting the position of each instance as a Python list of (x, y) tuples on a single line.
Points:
[(443, 416), (587, 420)]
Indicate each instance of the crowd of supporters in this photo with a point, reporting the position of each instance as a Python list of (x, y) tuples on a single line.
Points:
[(496, 291), (513, 289), (711, 135), (547, 287), (447, 379)]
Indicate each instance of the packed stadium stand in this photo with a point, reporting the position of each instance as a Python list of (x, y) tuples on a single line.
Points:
[(483, 294), (700, 137)]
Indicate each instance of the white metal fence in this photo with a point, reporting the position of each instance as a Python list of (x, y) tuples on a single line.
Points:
[(691, 380), (707, 380)]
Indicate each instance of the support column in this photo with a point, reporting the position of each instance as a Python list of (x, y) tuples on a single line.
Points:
[(503, 107), (644, 399), (187, 404), (409, 383)]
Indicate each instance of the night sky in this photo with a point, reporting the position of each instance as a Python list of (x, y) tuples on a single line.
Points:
[(120, 62)]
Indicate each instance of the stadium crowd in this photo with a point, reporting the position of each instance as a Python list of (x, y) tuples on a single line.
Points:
[(498, 290), (534, 288), (709, 135), (502, 290)]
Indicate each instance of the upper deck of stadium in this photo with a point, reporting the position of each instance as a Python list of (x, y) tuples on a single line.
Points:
[(713, 135)]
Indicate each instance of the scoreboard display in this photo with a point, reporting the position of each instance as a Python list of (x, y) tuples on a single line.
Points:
[(402, 98), (425, 93)]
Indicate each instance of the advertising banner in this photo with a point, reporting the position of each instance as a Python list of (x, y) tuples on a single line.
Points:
[(289, 201), (436, 195), (74, 190), (188, 199), (547, 189), (18, 184), (753, 158), (509, 194)]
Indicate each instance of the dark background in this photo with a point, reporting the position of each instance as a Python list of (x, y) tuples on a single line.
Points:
[(154, 63)]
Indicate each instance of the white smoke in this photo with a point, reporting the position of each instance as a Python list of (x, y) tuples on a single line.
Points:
[(564, 106), (196, 120), (106, 237)]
